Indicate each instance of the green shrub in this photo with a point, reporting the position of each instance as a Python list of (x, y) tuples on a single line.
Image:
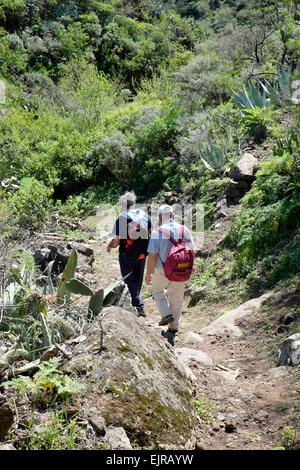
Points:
[(62, 433), (270, 212), (31, 204), (48, 382), (156, 157)]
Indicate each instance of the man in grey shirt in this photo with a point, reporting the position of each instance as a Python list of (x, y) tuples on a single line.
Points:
[(170, 303)]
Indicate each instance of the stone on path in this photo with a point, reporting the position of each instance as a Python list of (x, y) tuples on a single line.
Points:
[(116, 439), (191, 338), (225, 325), (188, 354)]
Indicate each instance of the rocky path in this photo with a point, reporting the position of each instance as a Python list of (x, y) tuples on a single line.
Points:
[(244, 400)]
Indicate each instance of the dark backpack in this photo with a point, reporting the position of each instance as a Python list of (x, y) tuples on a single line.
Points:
[(179, 264), (136, 245)]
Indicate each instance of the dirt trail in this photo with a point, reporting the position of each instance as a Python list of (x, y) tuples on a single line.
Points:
[(244, 400)]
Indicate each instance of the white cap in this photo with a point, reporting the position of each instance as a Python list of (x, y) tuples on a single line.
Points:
[(165, 210)]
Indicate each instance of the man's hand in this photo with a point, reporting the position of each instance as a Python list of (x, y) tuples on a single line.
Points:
[(150, 266), (114, 243)]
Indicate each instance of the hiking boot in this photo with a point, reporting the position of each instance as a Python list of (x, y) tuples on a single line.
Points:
[(166, 320), (169, 335), (140, 311)]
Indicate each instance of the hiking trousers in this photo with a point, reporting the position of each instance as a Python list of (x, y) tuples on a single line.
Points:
[(168, 296), (135, 280)]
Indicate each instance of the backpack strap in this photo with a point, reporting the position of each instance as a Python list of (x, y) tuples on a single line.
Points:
[(181, 234), (167, 235)]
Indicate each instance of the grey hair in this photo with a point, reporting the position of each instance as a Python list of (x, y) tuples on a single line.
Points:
[(127, 200), (165, 210)]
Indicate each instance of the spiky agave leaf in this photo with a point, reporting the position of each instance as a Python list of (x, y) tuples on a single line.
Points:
[(113, 292), (78, 287), (96, 302), (62, 292)]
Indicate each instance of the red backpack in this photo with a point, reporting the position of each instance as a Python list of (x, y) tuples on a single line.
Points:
[(180, 260)]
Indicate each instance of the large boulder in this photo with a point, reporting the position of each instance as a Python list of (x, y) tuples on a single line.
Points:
[(245, 168), (136, 382), (226, 324)]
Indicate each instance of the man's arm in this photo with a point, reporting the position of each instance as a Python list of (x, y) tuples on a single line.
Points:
[(114, 243), (152, 258)]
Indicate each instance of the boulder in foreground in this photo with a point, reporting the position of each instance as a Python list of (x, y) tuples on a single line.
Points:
[(137, 382)]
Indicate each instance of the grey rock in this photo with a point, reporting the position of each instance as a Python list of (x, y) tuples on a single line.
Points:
[(275, 372), (261, 416), (95, 419), (197, 294), (137, 382), (288, 318), (228, 376), (225, 324), (187, 354), (42, 257), (116, 439), (169, 198), (203, 253), (192, 338), (289, 353), (245, 168), (7, 447)]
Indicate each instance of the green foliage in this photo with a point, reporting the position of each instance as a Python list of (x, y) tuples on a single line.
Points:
[(62, 433), (156, 155), (31, 205), (213, 157), (203, 407), (100, 298), (257, 118), (63, 294), (48, 384), (254, 98), (290, 436), (270, 211), (114, 153), (205, 81), (78, 287)]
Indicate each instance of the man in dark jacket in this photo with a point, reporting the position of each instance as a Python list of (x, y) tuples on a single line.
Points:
[(131, 233)]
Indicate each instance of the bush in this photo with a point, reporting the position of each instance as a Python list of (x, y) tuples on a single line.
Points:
[(270, 210), (155, 153), (113, 153), (32, 204), (205, 81)]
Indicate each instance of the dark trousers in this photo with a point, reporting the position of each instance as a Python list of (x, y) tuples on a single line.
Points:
[(135, 280)]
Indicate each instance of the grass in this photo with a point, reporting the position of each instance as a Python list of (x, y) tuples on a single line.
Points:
[(204, 408)]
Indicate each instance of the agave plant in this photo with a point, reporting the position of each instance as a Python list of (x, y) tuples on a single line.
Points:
[(212, 157), (112, 295), (264, 93), (251, 99)]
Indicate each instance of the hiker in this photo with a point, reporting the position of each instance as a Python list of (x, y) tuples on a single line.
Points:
[(167, 235), (131, 233)]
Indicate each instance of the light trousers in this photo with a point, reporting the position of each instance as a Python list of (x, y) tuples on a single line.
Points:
[(168, 296)]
